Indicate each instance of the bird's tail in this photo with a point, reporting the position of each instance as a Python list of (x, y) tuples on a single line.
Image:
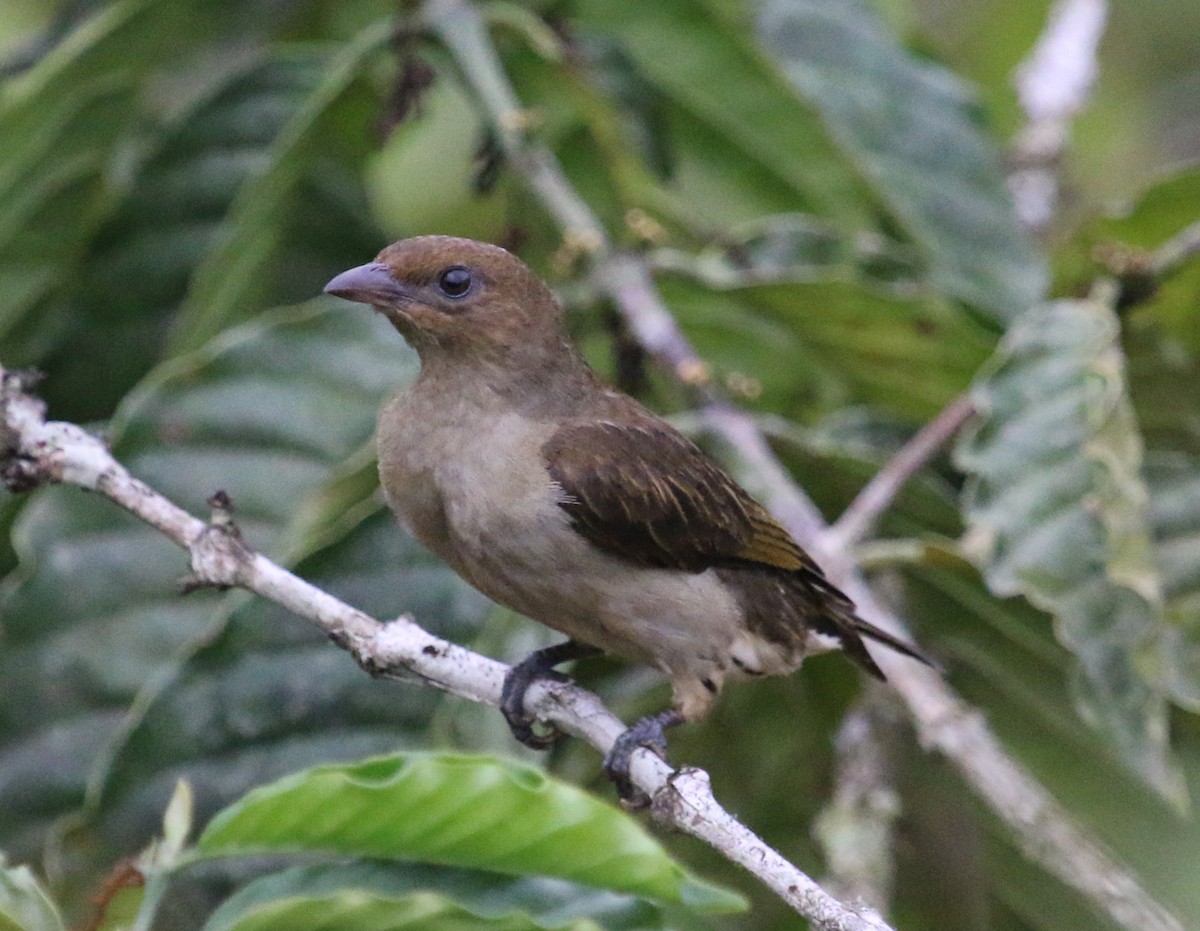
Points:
[(851, 631)]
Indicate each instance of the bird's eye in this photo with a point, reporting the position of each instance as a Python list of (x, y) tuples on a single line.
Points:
[(455, 281)]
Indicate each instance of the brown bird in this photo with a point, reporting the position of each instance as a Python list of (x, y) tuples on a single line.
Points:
[(569, 502)]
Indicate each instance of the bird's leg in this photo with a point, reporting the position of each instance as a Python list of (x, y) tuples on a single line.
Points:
[(537, 665), (649, 733)]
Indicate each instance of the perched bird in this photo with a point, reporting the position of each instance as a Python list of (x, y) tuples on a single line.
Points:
[(568, 501)]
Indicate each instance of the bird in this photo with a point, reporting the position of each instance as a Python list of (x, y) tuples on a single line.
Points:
[(561, 497)]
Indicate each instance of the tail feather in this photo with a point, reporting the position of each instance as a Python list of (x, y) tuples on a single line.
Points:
[(853, 629)]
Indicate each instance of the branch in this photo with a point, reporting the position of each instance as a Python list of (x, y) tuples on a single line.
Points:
[(1044, 830), (1053, 85), (856, 829), (33, 451), (1176, 252), (859, 518)]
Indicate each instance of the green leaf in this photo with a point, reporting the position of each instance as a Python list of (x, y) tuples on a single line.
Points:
[(908, 126), (229, 283), (24, 906), (469, 811), (61, 122), (94, 627), (357, 892), (123, 297), (742, 128), (814, 346), (796, 247), (1057, 511), (1174, 481), (74, 126), (1001, 656)]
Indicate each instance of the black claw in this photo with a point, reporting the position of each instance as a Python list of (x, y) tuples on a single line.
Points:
[(537, 665), (649, 732)]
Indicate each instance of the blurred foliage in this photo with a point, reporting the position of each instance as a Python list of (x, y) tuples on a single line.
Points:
[(819, 188)]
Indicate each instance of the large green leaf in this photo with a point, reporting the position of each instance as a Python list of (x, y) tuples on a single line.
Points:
[(349, 894), (1057, 510), (908, 126), (470, 811), (815, 346), (270, 695), (61, 122), (214, 144), (72, 130), (231, 282), (747, 122), (92, 616), (1001, 655)]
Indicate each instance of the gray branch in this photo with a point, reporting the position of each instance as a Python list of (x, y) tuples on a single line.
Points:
[(1053, 84)]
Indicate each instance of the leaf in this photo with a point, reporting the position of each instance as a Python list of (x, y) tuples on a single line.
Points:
[(132, 277), (229, 282), (468, 811), (23, 904), (1174, 482), (72, 125), (787, 247), (909, 128), (748, 123), (358, 890), (1001, 656), (93, 620), (1057, 511), (61, 120), (814, 346)]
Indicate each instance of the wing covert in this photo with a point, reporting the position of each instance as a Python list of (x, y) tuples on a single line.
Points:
[(649, 494)]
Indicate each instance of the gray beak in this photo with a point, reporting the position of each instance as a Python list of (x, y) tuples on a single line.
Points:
[(368, 284)]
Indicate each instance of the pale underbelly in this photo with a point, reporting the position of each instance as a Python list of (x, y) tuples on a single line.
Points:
[(670, 619)]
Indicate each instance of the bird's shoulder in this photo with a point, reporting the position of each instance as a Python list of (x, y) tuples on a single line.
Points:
[(637, 487)]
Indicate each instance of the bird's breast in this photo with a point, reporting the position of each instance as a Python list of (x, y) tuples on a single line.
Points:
[(481, 498)]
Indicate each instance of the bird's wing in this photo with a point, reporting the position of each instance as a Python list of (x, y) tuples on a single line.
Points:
[(647, 493)]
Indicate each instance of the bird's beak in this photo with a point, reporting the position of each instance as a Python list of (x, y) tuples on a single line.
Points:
[(368, 284)]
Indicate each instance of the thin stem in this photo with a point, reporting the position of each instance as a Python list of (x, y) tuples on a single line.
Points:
[(878, 494), (856, 828), (152, 896), (1176, 252)]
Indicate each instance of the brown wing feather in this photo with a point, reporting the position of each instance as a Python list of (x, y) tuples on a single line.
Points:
[(650, 495)]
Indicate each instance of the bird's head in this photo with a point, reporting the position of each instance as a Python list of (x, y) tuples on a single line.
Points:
[(457, 298)]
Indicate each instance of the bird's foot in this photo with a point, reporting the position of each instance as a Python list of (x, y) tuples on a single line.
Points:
[(537, 665), (649, 732)]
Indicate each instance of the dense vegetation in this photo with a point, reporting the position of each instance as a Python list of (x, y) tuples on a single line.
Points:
[(824, 207)]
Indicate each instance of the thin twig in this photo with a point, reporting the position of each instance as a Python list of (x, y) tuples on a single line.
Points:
[(1044, 830), (1176, 252), (878, 494), (33, 451)]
